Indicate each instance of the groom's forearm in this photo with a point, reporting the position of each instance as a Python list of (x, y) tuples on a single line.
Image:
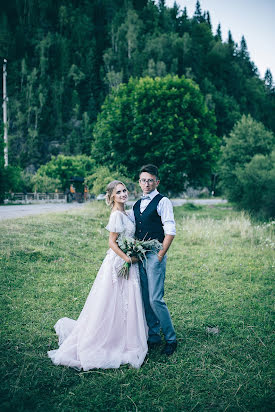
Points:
[(168, 239)]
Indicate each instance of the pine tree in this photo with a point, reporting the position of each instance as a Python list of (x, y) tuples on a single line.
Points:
[(184, 25), (219, 33), (208, 19), (198, 17), (5, 35), (161, 5), (268, 79), (243, 49)]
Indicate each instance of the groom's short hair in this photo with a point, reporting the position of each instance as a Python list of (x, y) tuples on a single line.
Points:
[(152, 169)]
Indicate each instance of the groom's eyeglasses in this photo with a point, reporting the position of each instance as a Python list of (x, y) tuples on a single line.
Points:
[(143, 181)]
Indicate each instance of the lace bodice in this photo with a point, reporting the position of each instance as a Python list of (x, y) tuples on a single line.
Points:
[(121, 223)]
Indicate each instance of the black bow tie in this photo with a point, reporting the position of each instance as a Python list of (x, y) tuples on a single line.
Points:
[(145, 197)]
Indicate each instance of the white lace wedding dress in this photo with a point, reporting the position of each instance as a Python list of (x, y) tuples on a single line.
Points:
[(111, 329)]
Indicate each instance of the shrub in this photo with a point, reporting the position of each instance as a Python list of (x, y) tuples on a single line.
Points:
[(98, 181), (257, 182), (26, 182), (2, 167), (13, 179), (45, 184), (247, 138), (64, 168)]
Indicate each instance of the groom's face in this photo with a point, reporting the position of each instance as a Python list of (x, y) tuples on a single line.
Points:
[(148, 182)]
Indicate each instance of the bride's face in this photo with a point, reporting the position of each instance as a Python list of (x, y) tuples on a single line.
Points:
[(120, 194)]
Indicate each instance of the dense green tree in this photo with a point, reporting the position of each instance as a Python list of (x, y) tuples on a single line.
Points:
[(5, 39), (163, 121), (198, 17), (208, 19), (202, 43), (64, 168), (247, 139), (230, 40), (257, 182), (58, 72), (2, 170), (268, 80), (219, 33), (13, 179)]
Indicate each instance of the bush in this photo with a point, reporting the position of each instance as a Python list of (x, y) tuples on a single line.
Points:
[(2, 186), (98, 181), (14, 179), (45, 184), (26, 182), (247, 138), (2, 168), (163, 121), (257, 182), (64, 168)]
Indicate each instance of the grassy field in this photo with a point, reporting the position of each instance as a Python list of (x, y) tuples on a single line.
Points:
[(218, 290)]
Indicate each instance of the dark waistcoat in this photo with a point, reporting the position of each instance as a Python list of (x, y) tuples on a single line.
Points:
[(148, 223)]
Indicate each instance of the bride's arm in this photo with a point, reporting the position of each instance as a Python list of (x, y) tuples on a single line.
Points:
[(113, 245)]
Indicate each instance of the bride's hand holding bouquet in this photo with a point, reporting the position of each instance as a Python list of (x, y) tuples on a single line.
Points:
[(136, 250)]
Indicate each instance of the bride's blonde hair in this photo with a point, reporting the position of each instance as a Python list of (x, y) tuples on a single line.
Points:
[(109, 197)]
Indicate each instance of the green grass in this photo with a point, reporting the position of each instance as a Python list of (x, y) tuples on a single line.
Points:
[(219, 279)]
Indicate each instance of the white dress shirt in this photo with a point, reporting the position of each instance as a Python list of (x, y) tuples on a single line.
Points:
[(164, 210)]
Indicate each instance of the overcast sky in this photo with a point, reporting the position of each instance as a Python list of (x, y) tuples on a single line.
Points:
[(255, 19)]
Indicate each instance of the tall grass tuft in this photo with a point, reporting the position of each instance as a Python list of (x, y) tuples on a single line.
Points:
[(214, 231)]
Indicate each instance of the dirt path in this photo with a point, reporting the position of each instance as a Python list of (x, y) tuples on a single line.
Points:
[(180, 202), (16, 211)]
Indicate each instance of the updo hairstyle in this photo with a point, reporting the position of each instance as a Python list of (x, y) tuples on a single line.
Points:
[(109, 197)]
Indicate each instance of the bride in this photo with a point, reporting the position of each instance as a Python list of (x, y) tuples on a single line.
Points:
[(111, 329)]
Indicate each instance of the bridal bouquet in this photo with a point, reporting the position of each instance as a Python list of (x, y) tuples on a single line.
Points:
[(136, 248)]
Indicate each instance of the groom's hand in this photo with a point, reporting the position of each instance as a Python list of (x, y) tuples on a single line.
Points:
[(168, 239), (160, 257)]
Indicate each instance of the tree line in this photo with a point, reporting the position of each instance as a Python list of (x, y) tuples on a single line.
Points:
[(96, 88), (64, 58)]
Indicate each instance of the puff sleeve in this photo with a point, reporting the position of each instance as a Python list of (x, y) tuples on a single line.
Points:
[(116, 224)]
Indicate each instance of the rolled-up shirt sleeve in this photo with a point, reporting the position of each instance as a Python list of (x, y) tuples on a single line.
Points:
[(165, 211)]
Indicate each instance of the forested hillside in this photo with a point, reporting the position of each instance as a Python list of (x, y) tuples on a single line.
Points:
[(65, 56)]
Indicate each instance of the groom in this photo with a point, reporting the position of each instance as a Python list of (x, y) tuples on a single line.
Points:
[(155, 220)]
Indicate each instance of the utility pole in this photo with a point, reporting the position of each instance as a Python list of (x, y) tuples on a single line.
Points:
[(5, 121)]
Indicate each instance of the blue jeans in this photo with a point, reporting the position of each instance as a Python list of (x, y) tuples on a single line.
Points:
[(152, 276)]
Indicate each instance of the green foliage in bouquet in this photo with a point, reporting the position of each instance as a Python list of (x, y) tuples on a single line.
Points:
[(136, 248)]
